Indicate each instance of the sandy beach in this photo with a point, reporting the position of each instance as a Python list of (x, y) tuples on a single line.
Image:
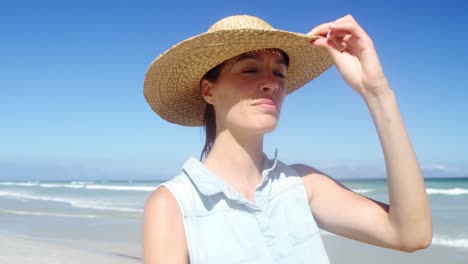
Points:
[(18, 249), (25, 250)]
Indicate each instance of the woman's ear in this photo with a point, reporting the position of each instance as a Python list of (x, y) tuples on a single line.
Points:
[(206, 88)]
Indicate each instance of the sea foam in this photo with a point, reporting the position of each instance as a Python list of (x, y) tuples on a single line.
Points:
[(363, 190), (47, 214), (79, 203), (26, 184), (452, 191), (450, 242), (121, 188), (82, 185)]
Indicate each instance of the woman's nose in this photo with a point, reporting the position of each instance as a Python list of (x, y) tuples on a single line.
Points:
[(270, 83)]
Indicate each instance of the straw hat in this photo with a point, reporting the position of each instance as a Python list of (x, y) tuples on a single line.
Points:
[(172, 82)]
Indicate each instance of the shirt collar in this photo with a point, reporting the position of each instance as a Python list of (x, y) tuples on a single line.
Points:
[(210, 184)]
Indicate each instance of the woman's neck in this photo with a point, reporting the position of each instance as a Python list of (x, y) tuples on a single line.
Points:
[(237, 160)]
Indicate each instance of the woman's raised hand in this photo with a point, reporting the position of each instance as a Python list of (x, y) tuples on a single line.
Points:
[(354, 55)]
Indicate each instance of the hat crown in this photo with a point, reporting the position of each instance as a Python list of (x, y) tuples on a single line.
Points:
[(240, 22)]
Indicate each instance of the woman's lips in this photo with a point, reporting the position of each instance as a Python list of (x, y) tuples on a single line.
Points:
[(267, 104)]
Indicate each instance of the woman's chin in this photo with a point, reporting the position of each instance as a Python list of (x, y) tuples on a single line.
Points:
[(265, 125), (258, 125)]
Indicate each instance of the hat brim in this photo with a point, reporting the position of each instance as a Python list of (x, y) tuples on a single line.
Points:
[(172, 81)]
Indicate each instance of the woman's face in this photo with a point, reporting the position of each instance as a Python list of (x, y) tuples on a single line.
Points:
[(249, 92)]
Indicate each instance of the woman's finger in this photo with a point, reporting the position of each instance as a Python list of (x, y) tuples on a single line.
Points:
[(338, 44), (320, 30), (336, 40), (346, 18), (349, 27), (333, 34)]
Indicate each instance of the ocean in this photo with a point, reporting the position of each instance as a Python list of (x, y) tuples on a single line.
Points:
[(448, 199), (112, 210)]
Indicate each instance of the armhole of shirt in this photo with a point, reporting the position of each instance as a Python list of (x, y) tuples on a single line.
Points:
[(294, 172), (174, 194), (291, 171)]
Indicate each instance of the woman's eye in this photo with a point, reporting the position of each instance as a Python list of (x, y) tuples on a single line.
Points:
[(276, 73), (250, 71), (280, 74)]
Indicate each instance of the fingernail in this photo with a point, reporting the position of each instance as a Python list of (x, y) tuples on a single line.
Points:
[(328, 33)]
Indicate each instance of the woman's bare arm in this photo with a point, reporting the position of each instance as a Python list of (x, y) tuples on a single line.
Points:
[(163, 238), (405, 223)]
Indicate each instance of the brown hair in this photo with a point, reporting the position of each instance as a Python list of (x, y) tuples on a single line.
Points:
[(209, 118)]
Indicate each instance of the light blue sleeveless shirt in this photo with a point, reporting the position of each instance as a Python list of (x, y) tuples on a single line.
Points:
[(221, 226)]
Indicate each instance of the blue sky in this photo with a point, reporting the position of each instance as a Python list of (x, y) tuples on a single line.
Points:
[(71, 81)]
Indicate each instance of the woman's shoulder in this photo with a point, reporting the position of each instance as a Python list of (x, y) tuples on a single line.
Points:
[(179, 192), (164, 198), (161, 202)]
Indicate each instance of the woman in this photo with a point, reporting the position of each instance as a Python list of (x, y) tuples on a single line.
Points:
[(237, 206)]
